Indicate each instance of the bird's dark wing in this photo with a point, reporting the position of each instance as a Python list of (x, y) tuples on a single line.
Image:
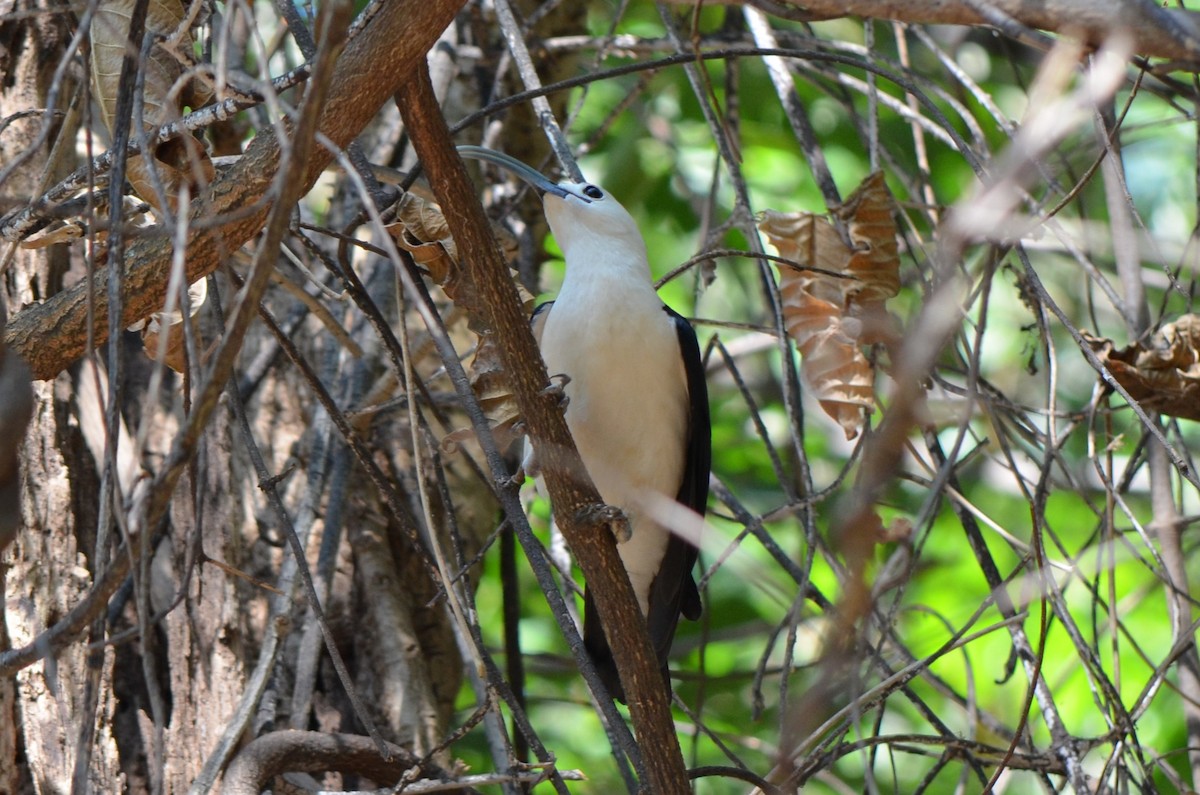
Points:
[(674, 591), (693, 491)]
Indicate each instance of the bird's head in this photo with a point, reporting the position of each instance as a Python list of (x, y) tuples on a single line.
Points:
[(581, 215)]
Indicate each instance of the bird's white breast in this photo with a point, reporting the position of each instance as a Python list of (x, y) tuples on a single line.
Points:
[(628, 407)]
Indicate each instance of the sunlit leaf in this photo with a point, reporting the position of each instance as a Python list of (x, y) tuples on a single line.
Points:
[(833, 303), (173, 354)]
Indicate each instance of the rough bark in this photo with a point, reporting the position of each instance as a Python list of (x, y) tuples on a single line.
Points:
[(208, 646), (200, 650), (404, 698), (45, 571)]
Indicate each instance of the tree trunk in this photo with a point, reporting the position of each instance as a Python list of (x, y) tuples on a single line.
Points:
[(46, 570), (196, 620)]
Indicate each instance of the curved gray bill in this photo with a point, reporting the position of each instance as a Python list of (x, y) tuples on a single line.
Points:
[(514, 166)]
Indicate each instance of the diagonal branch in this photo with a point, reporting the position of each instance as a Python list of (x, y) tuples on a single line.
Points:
[(577, 505)]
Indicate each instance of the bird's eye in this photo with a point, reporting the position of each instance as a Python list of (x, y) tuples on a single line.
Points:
[(592, 192)]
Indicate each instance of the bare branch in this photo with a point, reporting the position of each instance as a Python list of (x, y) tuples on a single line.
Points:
[(1158, 32)]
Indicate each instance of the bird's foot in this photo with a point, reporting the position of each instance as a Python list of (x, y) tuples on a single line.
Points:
[(557, 389), (514, 481), (610, 516)]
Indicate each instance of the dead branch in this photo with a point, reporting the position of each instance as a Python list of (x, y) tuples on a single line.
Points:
[(293, 751)]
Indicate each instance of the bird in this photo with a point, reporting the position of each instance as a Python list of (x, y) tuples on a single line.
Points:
[(636, 399)]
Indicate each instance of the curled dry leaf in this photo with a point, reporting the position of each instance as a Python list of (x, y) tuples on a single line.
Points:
[(173, 351), (169, 88), (490, 384), (1163, 373), (422, 231), (833, 311)]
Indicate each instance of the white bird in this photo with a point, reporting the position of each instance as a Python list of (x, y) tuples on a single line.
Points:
[(637, 400)]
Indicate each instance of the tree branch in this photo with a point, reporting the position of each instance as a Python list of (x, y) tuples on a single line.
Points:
[(312, 752), (1159, 32), (572, 494)]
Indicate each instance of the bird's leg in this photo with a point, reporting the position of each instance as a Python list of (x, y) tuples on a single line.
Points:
[(516, 479), (529, 466), (611, 516)]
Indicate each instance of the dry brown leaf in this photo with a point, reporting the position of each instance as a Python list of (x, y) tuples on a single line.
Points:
[(422, 231), (179, 161), (831, 314), (174, 355), (876, 258), (1162, 374), (489, 381), (490, 385), (57, 232)]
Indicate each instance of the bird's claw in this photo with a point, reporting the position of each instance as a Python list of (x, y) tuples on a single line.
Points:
[(557, 389), (513, 481), (618, 522), (613, 517)]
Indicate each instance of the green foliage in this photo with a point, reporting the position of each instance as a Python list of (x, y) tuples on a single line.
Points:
[(1039, 453)]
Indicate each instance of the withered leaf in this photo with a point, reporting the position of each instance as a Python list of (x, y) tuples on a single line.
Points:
[(168, 89), (490, 385), (174, 354), (876, 259), (833, 311), (422, 231), (1163, 373)]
